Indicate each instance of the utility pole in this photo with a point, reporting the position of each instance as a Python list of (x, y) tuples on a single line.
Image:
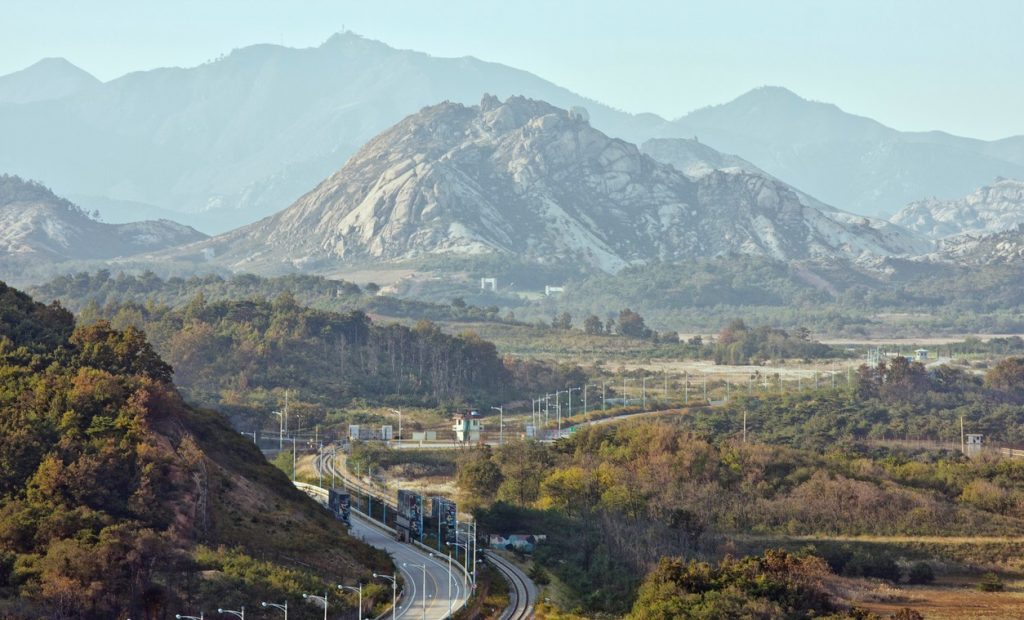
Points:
[(686, 388), (744, 426), (604, 399), (643, 392), (963, 446), (399, 412), (501, 424)]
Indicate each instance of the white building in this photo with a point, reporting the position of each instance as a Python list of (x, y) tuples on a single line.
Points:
[(467, 428), (488, 284)]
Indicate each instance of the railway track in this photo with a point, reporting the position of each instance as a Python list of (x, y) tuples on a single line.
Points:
[(521, 595)]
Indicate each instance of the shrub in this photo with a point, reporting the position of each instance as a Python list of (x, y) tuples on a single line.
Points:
[(990, 582), (920, 573), (878, 566)]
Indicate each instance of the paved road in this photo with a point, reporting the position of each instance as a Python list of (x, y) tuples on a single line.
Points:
[(429, 600), (523, 592)]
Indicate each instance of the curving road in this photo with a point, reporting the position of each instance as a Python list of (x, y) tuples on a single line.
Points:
[(424, 596), (523, 592)]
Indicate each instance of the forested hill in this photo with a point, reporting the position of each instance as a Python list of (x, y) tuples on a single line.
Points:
[(240, 356), (118, 500)]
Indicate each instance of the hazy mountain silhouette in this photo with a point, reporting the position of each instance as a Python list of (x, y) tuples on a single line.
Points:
[(50, 78), (849, 161), (243, 136)]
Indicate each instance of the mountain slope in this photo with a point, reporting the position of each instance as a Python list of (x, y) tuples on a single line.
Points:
[(39, 226), (845, 160), (972, 249), (989, 209), (526, 179), (242, 137), (118, 500), (693, 157), (50, 78)]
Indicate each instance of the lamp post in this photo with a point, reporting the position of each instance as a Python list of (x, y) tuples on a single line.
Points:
[(643, 391), (399, 412), (449, 582), (571, 390), (240, 613), (589, 385), (424, 567), (465, 566), (280, 434), (321, 599), (181, 617), (360, 591), (283, 607), (501, 423), (394, 592)]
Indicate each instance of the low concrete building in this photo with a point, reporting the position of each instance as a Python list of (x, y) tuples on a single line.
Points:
[(467, 428)]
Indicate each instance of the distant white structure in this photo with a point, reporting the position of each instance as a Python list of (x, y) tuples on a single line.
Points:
[(921, 355), (551, 290), (488, 284), (972, 445), (579, 113), (467, 428), (209, 253), (386, 432)]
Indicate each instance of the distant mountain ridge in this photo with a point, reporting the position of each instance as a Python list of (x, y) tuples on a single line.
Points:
[(241, 137), (230, 141), (992, 208), (849, 161), (526, 179), (37, 225), (46, 80)]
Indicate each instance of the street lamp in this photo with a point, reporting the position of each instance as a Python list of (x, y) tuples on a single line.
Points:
[(319, 599), (589, 385), (283, 608), (571, 390), (399, 412), (424, 567), (240, 613), (181, 617), (501, 423), (465, 548), (280, 432), (360, 591), (394, 592), (449, 582)]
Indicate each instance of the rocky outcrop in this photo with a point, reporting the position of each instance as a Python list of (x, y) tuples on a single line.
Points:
[(526, 179), (39, 226), (989, 209)]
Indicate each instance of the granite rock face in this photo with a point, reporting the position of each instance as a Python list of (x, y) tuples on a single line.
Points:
[(37, 225), (524, 178), (989, 209)]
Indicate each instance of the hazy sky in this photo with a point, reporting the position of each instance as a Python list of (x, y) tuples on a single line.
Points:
[(911, 64)]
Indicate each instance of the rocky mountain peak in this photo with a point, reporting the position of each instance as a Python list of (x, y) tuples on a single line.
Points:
[(524, 178), (37, 225)]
